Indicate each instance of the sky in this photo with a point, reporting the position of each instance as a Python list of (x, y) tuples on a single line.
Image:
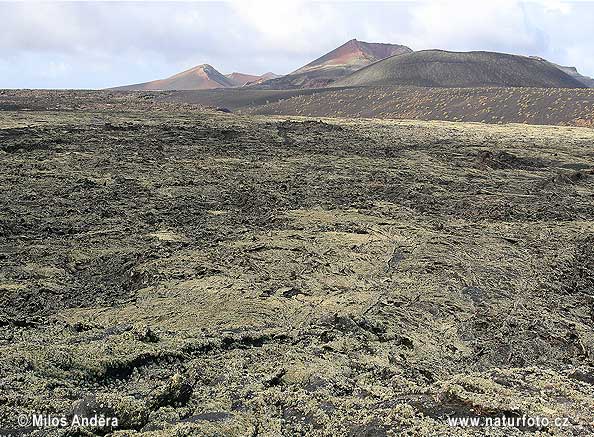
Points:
[(103, 44)]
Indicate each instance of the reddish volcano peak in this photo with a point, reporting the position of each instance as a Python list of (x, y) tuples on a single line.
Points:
[(355, 54)]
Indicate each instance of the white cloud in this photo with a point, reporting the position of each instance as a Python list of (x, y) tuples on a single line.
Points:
[(471, 25), (104, 44)]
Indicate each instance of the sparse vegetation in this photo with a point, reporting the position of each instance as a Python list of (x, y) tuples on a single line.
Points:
[(203, 273), (574, 107)]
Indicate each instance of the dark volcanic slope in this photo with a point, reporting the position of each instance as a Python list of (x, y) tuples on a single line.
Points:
[(555, 106), (232, 98), (437, 68), (336, 64), (550, 106), (198, 78), (572, 71)]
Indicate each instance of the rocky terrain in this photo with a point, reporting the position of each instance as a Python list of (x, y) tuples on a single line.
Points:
[(542, 106), (194, 272)]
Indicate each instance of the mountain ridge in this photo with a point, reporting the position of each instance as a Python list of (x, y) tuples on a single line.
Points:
[(243, 79), (449, 69), (203, 76), (336, 64), (347, 64), (200, 77)]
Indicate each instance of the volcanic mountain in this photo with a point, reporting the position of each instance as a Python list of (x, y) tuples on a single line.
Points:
[(572, 71), (335, 65), (438, 68), (201, 77), (242, 79)]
